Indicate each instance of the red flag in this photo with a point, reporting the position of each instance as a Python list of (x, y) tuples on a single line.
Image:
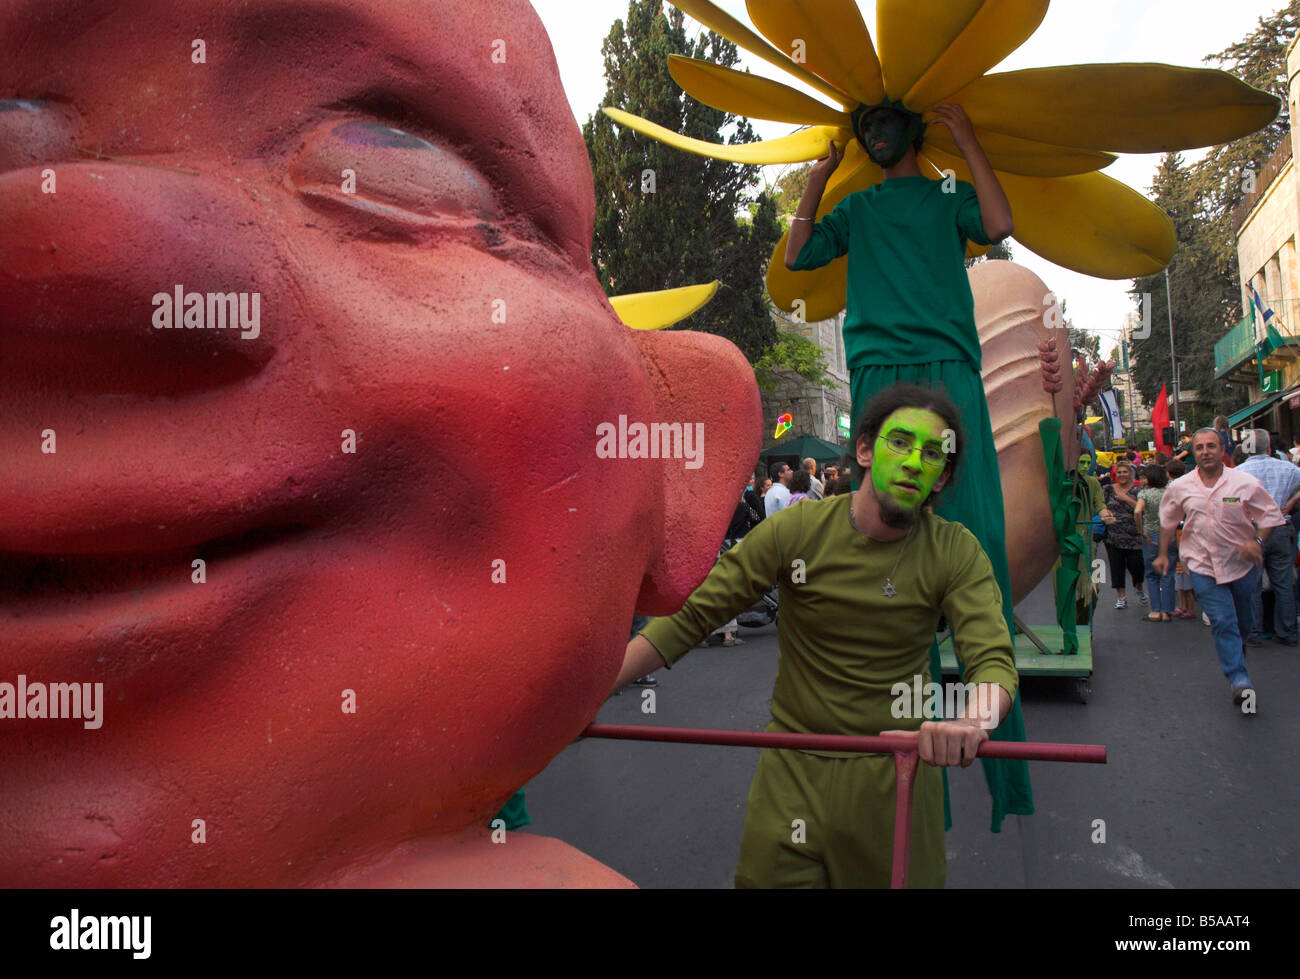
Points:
[(1160, 420)]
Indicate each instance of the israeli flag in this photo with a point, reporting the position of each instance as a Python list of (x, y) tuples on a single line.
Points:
[(1110, 411), (1265, 315)]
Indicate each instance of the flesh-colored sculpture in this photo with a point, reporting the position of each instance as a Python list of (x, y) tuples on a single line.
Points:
[(1011, 312), (392, 480)]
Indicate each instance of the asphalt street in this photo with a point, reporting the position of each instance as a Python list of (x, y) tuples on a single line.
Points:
[(1194, 793)]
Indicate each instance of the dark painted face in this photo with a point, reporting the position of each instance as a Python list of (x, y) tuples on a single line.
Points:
[(883, 134)]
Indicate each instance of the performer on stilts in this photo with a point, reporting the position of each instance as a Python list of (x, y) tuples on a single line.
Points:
[(910, 318)]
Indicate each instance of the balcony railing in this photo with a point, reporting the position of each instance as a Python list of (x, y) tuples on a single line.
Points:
[(1234, 346), (1272, 166)]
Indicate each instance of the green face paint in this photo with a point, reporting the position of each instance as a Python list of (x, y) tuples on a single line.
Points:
[(1085, 464), (908, 457)]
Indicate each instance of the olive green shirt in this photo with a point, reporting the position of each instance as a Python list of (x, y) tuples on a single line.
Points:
[(843, 643)]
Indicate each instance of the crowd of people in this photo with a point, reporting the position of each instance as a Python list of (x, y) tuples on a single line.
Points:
[(1220, 535), (1137, 505)]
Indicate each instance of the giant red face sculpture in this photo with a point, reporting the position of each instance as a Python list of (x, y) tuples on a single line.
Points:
[(389, 470)]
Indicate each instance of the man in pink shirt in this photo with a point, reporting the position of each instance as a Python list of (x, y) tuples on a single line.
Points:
[(1228, 516)]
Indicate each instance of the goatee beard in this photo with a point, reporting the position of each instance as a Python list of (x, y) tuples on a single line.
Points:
[(891, 514)]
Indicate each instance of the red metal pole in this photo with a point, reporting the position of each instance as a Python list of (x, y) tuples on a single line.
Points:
[(903, 750), (905, 774), (1027, 750)]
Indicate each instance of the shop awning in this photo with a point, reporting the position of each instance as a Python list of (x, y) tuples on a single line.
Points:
[(805, 447), (1259, 407)]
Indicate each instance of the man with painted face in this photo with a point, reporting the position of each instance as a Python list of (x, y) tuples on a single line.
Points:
[(864, 580), (910, 317)]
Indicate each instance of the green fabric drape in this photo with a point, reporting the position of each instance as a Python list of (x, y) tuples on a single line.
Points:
[(1062, 495)]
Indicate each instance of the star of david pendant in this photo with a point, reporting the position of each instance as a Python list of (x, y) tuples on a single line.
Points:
[(889, 589)]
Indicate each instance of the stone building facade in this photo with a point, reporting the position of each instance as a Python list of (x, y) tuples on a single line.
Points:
[(817, 410)]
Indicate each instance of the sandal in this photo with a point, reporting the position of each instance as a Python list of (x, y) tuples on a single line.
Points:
[(734, 642), (1148, 618)]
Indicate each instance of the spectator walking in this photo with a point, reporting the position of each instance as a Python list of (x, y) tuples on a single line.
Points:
[(1182, 580), (779, 495), (1227, 517), (1123, 542), (1281, 480), (1160, 586)]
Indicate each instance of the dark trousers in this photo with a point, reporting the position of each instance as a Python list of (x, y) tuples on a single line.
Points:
[(1279, 562), (1122, 558)]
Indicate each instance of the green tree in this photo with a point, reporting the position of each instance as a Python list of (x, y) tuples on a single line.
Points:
[(792, 355), (1083, 342), (1204, 289), (1224, 176), (790, 187), (1204, 280), (665, 218), (1000, 251)]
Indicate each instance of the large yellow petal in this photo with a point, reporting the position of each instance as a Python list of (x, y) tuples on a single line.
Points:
[(912, 36), (932, 48), (721, 22), (1029, 157), (823, 289), (1088, 222), (655, 310), (1127, 108), (808, 144), (831, 36), (749, 95)]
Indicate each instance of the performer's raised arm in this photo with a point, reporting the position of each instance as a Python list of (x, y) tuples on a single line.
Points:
[(806, 215), (995, 209)]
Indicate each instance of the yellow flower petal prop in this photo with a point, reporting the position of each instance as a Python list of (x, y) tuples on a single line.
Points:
[(743, 94), (800, 147), (822, 290), (850, 169), (1126, 108), (836, 44), (1029, 157), (721, 22), (1088, 222), (932, 48), (656, 310)]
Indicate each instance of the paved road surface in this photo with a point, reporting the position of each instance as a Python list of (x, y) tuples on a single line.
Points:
[(1194, 795)]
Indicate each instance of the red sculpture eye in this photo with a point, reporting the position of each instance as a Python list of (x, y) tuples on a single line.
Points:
[(388, 172)]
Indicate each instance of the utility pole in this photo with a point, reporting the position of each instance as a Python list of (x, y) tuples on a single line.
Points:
[(1128, 372), (1173, 358)]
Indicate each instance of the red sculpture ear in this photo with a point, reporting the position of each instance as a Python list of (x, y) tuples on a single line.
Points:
[(697, 379)]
